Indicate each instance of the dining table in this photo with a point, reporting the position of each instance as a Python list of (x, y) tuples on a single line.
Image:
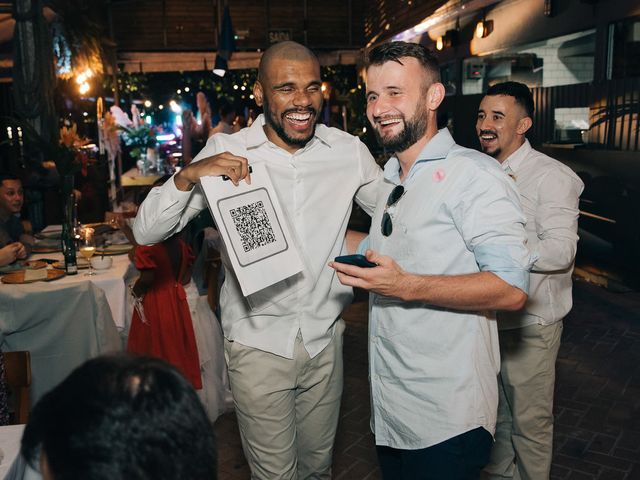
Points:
[(113, 281), (12, 465), (69, 319), (134, 178)]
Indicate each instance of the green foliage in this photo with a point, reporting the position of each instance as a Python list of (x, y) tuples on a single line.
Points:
[(138, 139)]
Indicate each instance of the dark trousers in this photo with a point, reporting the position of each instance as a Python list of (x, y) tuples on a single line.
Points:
[(459, 458)]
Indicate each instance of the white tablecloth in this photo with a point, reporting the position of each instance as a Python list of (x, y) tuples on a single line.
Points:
[(61, 324), (113, 281), (10, 436)]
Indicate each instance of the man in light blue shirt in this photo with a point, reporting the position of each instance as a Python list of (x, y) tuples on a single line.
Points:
[(449, 243)]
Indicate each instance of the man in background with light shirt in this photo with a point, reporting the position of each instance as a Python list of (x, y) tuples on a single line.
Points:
[(449, 243), (530, 338), (285, 360)]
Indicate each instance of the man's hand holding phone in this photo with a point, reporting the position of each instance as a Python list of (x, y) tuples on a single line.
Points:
[(357, 260), (387, 278)]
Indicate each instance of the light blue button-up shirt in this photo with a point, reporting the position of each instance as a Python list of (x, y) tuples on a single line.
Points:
[(433, 370)]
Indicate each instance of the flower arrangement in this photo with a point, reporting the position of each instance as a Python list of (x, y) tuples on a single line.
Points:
[(71, 154)]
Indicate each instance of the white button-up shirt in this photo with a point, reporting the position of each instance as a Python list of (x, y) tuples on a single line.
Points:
[(434, 370), (315, 186), (549, 193)]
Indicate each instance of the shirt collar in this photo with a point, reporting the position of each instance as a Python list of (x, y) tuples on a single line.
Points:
[(436, 149), (256, 135), (515, 160)]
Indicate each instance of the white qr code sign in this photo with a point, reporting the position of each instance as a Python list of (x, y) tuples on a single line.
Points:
[(253, 227)]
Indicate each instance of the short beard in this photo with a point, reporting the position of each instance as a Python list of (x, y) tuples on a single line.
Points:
[(277, 127), (495, 154), (413, 130)]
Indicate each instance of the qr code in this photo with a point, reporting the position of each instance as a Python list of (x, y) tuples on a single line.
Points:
[(253, 225)]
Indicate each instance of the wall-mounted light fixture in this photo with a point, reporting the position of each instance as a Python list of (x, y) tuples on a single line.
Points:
[(449, 39), (483, 28)]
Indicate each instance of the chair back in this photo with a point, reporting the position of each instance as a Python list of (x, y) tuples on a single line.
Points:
[(18, 375)]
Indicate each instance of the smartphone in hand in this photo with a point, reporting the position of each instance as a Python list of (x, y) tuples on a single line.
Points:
[(357, 260)]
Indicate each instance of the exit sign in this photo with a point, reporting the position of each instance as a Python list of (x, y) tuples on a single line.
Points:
[(281, 35)]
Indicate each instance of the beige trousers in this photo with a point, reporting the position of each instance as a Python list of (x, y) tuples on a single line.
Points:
[(287, 409), (524, 431)]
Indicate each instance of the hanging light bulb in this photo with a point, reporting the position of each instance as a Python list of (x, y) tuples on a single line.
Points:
[(484, 27), (439, 43)]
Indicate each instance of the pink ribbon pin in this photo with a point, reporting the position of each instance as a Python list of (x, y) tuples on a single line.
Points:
[(438, 175)]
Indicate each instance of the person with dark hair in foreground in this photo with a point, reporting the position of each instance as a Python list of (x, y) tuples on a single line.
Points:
[(449, 243), (530, 338), (121, 417)]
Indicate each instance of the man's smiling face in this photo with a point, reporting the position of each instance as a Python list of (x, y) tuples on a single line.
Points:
[(498, 126), (291, 96), (395, 103)]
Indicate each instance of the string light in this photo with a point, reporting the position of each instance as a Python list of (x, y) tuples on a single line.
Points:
[(175, 107)]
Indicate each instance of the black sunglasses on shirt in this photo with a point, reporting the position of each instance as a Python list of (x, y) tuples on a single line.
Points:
[(395, 195)]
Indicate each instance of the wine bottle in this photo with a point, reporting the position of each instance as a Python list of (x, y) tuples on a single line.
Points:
[(68, 240)]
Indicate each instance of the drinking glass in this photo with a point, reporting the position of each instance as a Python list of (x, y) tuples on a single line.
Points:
[(88, 247)]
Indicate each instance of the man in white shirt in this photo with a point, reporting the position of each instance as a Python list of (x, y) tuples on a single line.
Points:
[(449, 244), (530, 338), (285, 358)]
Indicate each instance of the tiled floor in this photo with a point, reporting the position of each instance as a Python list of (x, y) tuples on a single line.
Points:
[(597, 396)]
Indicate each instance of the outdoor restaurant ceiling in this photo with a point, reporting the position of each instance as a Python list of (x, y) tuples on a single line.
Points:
[(182, 35)]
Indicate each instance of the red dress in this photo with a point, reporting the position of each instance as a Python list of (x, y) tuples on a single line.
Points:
[(168, 331)]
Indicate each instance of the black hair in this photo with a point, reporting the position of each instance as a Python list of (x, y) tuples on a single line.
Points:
[(8, 176), (395, 51), (121, 417), (226, 108), (519, 91)]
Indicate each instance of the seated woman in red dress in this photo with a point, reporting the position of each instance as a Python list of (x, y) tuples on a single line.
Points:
[(163, 327)]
